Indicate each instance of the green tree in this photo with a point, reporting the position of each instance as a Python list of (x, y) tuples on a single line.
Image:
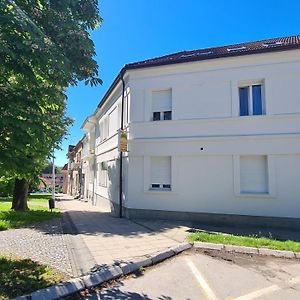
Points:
[(45, 46)]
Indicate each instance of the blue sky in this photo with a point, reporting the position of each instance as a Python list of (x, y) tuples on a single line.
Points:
[(135, 30)]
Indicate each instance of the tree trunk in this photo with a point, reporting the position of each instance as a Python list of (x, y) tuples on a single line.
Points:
[(20, 195)]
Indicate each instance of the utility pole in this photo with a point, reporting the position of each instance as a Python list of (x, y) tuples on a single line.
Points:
[(53, 179)]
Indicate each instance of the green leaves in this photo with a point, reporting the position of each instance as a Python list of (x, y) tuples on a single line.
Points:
[(45, 46)]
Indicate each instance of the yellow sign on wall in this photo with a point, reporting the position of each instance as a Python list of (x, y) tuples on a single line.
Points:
[(123, 143)]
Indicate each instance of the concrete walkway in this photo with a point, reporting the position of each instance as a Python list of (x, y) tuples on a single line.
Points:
[(100, 239)]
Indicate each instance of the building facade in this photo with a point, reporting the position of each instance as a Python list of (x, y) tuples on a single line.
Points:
[(213, 134), (75, 179)]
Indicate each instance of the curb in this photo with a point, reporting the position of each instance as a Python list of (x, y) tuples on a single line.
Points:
[(73, 286), (246, 250), (76, 246)]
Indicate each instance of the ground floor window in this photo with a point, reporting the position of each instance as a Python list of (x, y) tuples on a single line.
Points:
[(160, 170), (102, 174), (254, 174)]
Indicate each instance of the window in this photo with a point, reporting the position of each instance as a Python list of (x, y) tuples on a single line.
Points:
[(254, 174), (91, 173), (251, 100), (160, 173), (104, 129), (102, 174), (113, 122), (162, 105)]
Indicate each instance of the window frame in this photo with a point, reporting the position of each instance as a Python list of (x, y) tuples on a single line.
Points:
[(250, 84), (161, 112), (161, 115), (147, 177), (270, 178), (160, 185), (102, 172)]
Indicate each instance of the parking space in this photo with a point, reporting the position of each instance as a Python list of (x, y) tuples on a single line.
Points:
[(213, 276)]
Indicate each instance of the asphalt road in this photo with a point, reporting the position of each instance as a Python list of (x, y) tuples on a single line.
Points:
[(211, 276)]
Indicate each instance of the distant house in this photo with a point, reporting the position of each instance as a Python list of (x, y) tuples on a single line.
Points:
[(213, 135), (75, 179), (47, 181), (64, 172)]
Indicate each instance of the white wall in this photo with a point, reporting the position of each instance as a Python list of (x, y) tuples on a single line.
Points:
[(106, 145), (206, 134), (209, 89), (205, 184)]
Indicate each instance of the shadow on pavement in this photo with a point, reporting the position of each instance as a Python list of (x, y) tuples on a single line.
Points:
[(106, 225), (117, 293)]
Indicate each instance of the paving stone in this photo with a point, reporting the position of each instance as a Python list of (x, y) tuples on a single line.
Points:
[(241, 249), (110, 239), (162, 256), (182, 247), (43, 242), (277, 253), (209, 246)]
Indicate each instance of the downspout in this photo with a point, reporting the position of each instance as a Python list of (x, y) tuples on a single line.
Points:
[(121, 153), (94, 166)]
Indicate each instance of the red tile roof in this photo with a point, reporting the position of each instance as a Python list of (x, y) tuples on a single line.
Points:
[(263, 46)]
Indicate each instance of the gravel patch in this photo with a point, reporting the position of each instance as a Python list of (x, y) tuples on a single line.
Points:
[(43, 242)]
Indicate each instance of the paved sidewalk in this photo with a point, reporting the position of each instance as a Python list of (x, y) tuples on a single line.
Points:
[(110, 240)]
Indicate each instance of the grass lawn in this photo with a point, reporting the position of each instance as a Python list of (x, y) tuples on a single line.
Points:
[(250, 241), (32, 198), (15, 219), (23, 276)]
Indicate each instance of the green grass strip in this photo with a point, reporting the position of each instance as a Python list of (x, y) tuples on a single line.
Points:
[(32, 198), (16, 219), (249, 241)]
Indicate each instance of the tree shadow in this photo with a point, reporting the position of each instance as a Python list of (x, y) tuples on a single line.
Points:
[(116, 293), (19, 277), (104, 224)]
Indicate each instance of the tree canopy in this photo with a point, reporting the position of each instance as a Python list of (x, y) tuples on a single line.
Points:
[(45, 46)]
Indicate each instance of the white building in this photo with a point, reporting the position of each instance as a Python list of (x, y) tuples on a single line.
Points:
[(213, 135)]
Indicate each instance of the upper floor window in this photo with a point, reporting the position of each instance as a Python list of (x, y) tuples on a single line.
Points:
[(103, 128), (113, 125), (162, 105), (251, 99)]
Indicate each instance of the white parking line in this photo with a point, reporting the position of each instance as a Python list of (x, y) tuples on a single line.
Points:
[(268, 290), (208, 292), (259, 293)]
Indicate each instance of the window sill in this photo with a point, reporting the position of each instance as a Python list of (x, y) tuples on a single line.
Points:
[(160, 120), (255, 195), (160, 192)]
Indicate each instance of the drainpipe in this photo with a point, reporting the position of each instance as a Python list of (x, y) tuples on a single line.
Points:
[(121, 154), (94, 165)]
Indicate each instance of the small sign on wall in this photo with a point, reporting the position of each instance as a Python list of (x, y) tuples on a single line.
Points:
[(123, 143)]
